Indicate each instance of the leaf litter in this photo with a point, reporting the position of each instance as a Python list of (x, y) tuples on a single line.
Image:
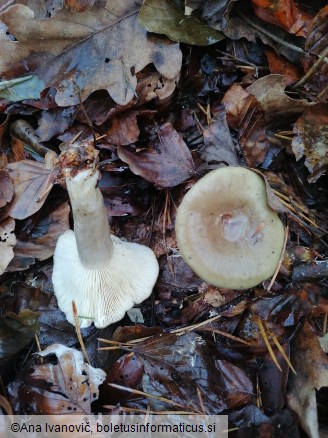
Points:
[(230, 83)]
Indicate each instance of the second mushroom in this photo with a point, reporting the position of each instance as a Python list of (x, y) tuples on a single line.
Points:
[(226, 230)]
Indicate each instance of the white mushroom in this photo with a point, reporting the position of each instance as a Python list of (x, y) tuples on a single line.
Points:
[(103, 274)]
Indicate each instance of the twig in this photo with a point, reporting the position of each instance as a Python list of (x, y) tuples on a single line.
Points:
[(314, 67)]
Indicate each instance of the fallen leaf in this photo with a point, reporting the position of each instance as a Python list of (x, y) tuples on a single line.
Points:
[(245, 115), (270, 92), (54, 122), (311, 365), (311, 140), (214, 13), (278, 64), (82, 61), (126, 371), (161, 16), (7, 242), (83, 5), (41, 241), (284, 14), (6, 188), (218, 145), (68, 386), (166, 163), (32, 182), (124, 129), (28, 87), (178, 366), (17, 331)]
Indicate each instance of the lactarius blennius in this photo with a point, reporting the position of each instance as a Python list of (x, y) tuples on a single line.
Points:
[(226, 230), (103, 274)]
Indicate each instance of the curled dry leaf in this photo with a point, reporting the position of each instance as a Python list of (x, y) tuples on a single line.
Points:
[(167, 163), (32, 182), (245, 115), (270, 92), (311, 140), (311, 365), (67, 387), (83, 61), (7, 241)]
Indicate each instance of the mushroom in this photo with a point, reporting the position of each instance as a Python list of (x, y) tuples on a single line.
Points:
[(103, 274), (227, 232)]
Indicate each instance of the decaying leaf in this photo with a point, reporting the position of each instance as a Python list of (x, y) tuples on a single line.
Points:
[(311, 140), (161, 16), (7, 242), (32, 182), (70, 50), (218, 145), (40, 243), (184, 370), (245, 115), (311, 365), (270, 92), (167, 163), (67, 387), (54, 122), (17, 331), (124, 129)]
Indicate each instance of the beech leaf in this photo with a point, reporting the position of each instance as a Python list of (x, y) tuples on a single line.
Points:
[(167, 163), (32, 182), (160, 16)]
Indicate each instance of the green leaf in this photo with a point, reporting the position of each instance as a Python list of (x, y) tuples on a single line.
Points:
[(161, 16), (28, 87)]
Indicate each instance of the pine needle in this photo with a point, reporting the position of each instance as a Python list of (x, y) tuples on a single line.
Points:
[(78, 332)]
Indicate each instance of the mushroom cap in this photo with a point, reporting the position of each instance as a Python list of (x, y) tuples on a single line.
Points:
[(227, 232), (102, 295)]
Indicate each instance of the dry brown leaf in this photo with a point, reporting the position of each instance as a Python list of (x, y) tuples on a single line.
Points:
[(167, 163), (311, 365), (83, 5), (245, 115), (218, 145), (270, 92), (6, 188), (124, 129), (311, 140), (41, 242), (69, 386), (7, 241), (71, 51), (32, 182)]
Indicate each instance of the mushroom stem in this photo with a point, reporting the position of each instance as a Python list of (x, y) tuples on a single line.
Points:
[(95, 247)]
